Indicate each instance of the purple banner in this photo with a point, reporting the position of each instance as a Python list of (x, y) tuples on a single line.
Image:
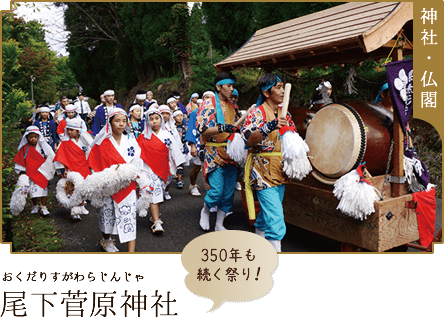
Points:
[(400, 81)]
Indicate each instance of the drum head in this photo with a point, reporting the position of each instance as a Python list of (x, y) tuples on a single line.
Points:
[(336, 138)]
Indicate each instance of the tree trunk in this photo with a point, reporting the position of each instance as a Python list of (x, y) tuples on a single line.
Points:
[(186, 70)]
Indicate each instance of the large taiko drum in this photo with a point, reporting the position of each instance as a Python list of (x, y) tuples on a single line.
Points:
[(343, 135)]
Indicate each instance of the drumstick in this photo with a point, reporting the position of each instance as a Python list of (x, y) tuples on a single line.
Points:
[(244, 116), (286, 100)]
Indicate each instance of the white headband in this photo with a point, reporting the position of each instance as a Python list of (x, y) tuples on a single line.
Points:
[(108, 92), (171, 99), (141, 96), (44, 109), (134, 107), (208, 93), (177, 112)]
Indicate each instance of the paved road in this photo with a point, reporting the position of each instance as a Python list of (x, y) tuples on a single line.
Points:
[(181, 223)]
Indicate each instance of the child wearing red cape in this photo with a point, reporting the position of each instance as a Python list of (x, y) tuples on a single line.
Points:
[(34, 158), (115, 146), (71, 155), (157, 154)]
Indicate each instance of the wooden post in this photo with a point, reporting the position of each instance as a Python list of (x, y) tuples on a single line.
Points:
[(398, 136)]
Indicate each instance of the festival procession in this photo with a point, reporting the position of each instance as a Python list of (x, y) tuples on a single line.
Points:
[(336, 169)]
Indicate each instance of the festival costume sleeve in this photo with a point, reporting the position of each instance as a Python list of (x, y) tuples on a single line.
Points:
[(48, 168), (53, 132), (191, 133), (98, 120)]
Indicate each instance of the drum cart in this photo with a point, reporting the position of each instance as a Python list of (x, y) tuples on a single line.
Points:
[(348, 33)]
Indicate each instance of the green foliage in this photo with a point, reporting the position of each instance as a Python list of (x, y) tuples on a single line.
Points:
[(65, 73), (229, 24), (177, 39), (10, 65), (26, 53), (34, 233)]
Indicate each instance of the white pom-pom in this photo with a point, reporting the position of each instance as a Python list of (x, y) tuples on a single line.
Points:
[(146, 194), (294, 151), (297, 168), (143, 213), (18, 198), (293, 146), (236, 150), (356, 198)]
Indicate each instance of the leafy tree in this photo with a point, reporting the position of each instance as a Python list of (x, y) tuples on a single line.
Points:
[(34, 58), (202, 54), (40, 62), (112, 45), (177, 39), (229, 24)]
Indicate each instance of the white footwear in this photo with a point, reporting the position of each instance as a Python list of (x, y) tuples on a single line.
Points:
[(194, 190), (157, 226), (44, 210), (76, 217), (84, 210), (238, 186), (152, 220), (220, 221), (213, 209), (35, 209), (260, 233), (167, 196), (108, 245), (276, 245), (228, 213), (205, 218)]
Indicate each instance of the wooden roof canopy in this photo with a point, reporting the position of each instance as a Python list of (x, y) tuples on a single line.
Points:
[(349, 33)]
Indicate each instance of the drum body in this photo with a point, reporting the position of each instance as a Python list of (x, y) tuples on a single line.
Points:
[(343, 135)]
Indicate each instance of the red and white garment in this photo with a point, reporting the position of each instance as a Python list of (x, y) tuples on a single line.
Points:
[(117, 215), (36, 162), (71, 153), (156, 156)]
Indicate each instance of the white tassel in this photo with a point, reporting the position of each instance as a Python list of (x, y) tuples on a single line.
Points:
[(294, 152), (146, 196), (236, 150), (356, 198), (298, 168), (76, 198), (18, 198), (409, 165)]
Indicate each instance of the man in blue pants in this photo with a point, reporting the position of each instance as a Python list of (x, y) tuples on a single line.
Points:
[(261, 130), (215, 119)]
